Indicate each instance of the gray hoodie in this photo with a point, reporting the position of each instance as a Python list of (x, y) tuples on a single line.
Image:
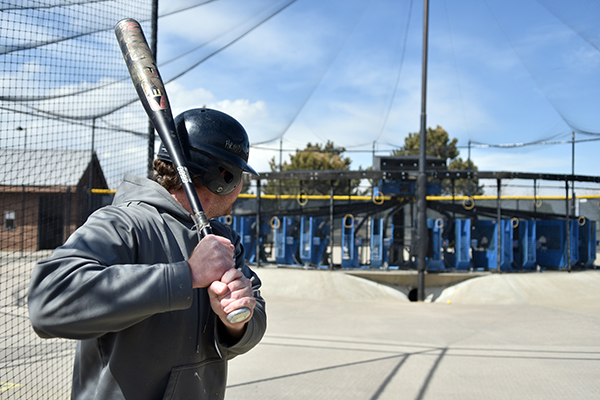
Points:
[(122, 287)]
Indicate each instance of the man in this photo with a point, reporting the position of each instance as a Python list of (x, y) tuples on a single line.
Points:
[(146, 301)]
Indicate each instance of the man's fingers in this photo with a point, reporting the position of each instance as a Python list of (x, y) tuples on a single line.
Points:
[(226, 298), (232, 275), (218, 289), (210, 260), (231, 291), (244, 302)]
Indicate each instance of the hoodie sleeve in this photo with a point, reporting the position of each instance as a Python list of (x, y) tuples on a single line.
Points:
[(256, 327), (95, 283)]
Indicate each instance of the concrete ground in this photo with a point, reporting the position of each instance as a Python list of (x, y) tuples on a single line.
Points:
[(500, 336)]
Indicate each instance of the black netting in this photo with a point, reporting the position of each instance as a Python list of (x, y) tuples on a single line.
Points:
[(62, 133), (71, 125)]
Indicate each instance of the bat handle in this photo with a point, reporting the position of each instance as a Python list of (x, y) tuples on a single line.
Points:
[(202, 225), (203, 228)]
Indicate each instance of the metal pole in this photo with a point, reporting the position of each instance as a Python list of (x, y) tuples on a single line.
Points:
[(469, 157), (453, 183), (498, 227), (568, 222), (535, 198), (24, 130), (91, 172), (573, 153), (22, 219), (258, 222), (331, 225), (573, 208), (469, 185), (280, 170), (422, 178)]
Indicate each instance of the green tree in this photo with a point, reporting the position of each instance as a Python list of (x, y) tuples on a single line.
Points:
[(440, 145), (467, 187), (313, 157)]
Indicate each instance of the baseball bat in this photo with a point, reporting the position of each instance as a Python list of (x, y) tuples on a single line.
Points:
[(153, 96)]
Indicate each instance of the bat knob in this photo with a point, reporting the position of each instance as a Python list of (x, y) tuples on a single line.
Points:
[(238, 315)]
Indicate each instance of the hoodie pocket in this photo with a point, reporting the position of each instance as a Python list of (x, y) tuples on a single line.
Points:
[(205, 380)]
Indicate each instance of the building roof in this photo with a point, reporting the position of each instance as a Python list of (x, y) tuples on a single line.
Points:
[(43, 167)]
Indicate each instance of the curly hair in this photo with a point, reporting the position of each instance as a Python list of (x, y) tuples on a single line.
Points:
[(165, 174)]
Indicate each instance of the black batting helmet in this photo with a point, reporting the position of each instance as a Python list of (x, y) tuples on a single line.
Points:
[(215, 148)]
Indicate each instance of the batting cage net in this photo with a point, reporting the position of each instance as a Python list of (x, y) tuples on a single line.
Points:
[(70, 121), (71, 125)]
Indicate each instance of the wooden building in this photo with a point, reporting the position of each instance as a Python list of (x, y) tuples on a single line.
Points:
[(45, 195)]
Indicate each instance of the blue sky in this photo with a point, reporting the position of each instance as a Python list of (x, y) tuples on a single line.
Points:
[(500, 72)]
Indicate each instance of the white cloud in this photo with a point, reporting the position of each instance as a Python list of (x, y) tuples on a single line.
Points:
[(184, 98), (242, 109), (254, 116)]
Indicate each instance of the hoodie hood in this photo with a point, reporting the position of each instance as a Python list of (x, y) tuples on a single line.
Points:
[(138, 189)]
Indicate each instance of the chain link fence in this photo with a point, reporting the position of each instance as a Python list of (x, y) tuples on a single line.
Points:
[(69, 122)]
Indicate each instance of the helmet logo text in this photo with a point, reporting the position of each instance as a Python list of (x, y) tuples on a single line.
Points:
[(236, 148)]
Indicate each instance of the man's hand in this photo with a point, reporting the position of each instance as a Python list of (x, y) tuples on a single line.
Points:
[(210, 260), (231, 292), (212, 265)]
